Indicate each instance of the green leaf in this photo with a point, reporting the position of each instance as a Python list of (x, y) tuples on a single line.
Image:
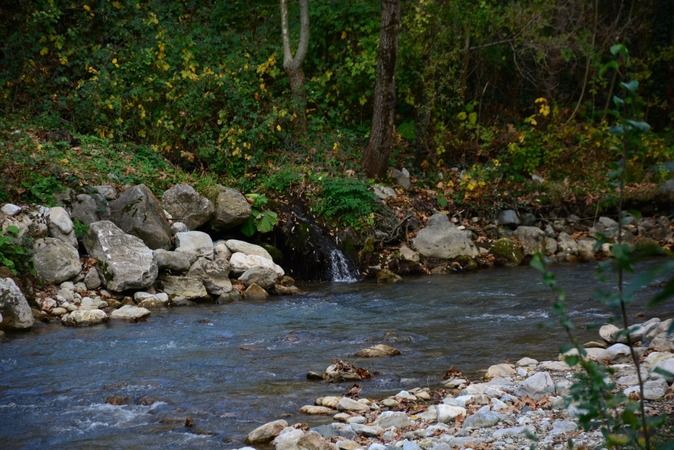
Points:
[(538, 263), (618, 101), (248, 227), (267, 221), (618, 49)]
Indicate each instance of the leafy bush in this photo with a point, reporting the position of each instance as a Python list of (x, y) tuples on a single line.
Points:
[(347, 201), (15, 251), (261, 220)]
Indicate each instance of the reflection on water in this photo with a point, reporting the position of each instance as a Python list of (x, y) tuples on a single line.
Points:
[(246, 364)]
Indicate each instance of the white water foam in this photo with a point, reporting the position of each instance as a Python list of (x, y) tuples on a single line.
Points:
[(339, 268)]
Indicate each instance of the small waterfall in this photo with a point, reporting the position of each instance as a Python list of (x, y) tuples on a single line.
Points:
[(340, 269)]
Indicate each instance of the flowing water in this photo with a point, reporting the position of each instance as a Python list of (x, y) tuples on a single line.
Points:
[(233, 367)]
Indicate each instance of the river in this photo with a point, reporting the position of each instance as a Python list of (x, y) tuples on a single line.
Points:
[(233, 367)]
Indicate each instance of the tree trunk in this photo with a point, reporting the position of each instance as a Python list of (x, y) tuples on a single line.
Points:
[(379, 148), (293, 64)]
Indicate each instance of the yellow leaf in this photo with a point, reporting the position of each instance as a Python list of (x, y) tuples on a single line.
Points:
[(44, 51)]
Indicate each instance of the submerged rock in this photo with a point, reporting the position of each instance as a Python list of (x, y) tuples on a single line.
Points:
[(378, 351)]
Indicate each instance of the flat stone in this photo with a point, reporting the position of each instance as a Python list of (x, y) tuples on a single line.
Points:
[(501, 370), (265, 277), (395, 419), (10, 209), (266, 433), (182, 288), (177, 262), (315, 410), (348, 404), (483, 418), (235, 245), (367, 430), (447, 413), (131, 313), (378, 351), (84, 317), (609, 332), (329, 401), (240, 263)]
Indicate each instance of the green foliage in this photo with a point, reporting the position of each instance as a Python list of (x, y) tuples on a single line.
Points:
[(80, 228), (15, 251), (260, 220), (346, 201), (282, 180)]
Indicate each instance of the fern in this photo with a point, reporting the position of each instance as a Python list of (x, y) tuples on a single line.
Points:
[(347, 201)]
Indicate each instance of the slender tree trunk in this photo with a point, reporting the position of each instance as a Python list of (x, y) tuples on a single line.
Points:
[(379, 148), (293, 64)]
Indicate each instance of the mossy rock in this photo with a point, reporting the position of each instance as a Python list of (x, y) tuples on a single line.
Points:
[(507, 252), (466, 262), (645, 246)]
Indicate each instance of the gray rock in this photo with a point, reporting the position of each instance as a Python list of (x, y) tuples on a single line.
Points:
[(348, 404), (383, 192), (240, 263), (402, 177), (531, 238), (194, 242), (92, 280), (130, 312), (609, 332), (264, 277), (93, 303), (150, 301), (267, 432), (178, 227), (85, 209), (288, 439), (366, 430), (442, 239), (395, 419), (408, 254), (606, 226), (335, 429), (231, 208), (11, 210), (447, 413), (55, 260), (255, 292), (665, 368), (183, 288), (124, 261), (186, 205), (84, 318), (378, 351), (15, 311), (562, 427), (214, 274), (178, 262), (617, 350), (235, 245), (500, 370), (106, 191), (508, 218), (483, 418), (513, 432), (220, 250), (60, 226), (586, 249), (538, 385), (137, 211)]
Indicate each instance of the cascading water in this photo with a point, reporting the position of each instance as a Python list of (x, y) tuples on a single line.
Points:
[(340, 269)]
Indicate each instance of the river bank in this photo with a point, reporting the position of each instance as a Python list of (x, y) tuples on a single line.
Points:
[(515, 405)]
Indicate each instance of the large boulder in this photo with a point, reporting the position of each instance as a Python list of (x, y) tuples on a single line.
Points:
[(231, 208), (194, 242), (61, 226), (124, 261), (442, 239), (240, 263), (531, 238), (186, 205), (137, 211), (183, 288), (214, 274), (606, 227), (234, 245), (55, 261), (14, 309), (89, 208)]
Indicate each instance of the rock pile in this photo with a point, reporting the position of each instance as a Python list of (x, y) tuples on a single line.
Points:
[(138, 253), (519, 405)]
